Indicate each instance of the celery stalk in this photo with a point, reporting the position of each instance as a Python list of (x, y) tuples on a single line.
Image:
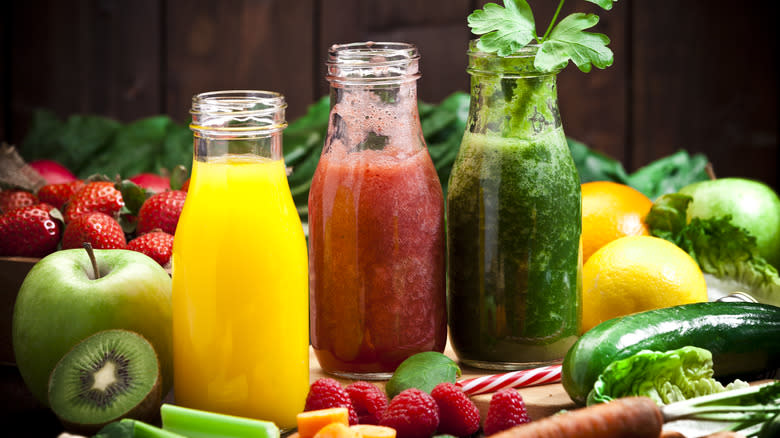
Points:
[(194, 423)]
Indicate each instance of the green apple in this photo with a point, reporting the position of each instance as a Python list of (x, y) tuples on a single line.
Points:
[(752, 205), (61, 302)]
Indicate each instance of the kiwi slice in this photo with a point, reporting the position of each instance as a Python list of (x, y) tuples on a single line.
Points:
[(110, 375)]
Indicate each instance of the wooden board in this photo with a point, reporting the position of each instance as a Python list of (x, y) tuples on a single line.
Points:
[(541, 401)]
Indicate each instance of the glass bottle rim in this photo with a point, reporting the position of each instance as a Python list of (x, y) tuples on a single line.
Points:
[(245, 112), (519, 64), (372, 63)]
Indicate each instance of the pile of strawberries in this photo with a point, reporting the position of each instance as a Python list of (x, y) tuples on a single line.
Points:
[(416, 414), (103, 213)]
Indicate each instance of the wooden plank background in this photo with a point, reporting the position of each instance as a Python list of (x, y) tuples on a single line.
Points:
[(687, 75)]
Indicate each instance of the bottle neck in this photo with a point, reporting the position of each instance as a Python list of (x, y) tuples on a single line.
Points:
[(509, 97), (242, 123), (373, 95)]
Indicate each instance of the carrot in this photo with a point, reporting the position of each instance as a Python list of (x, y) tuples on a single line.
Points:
[(630, 417), (310, 422), (337, 430), (371, 431)]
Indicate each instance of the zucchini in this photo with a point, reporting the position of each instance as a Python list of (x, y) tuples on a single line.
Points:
[(744, 339)]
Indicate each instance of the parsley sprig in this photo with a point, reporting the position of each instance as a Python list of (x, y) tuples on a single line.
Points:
[(505, 30)]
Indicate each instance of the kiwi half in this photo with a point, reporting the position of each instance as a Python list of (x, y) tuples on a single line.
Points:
[(110, 375)]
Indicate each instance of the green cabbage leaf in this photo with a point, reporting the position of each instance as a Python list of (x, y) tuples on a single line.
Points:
[(665, 377)]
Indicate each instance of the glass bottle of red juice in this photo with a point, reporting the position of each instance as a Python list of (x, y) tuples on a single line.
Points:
[(376, 219)]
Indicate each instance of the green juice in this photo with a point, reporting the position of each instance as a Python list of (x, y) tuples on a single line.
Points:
[(514, 224)]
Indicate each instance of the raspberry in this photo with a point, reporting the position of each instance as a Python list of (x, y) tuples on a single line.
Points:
[(328, 393), (413, 414), (458, 415), (506, 410), (369, 402)]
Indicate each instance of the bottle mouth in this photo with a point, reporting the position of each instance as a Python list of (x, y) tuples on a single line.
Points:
[(374, 63), (241, 112), (519, 64)]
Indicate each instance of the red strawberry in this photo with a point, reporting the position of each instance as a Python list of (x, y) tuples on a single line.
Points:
[(58, 194), (99, 196), (161, 211), (152, 182), (413, 414), (186, 186), (29, 231), (327, 393), (99, 229), (369, 401), (506, 410), (156, 244), (458, 415), (13, 199)]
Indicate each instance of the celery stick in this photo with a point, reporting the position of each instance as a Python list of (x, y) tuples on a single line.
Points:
[(202, 424), (143, 430)]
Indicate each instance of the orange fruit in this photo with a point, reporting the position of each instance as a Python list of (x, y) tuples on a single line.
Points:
[(638, 273), (609, 211)]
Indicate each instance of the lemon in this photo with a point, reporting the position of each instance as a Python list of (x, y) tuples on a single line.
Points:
[(638, 273)]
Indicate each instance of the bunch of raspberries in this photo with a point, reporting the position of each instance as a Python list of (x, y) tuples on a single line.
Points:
[(416, 414)]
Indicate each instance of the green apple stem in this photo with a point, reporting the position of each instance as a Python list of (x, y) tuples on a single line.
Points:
[(91, 255), (710, 171)]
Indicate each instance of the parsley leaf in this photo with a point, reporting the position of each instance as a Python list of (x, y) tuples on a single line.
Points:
[(503, 30), (569, 41)]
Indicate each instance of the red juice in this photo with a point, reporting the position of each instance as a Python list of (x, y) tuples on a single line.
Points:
[(377, 261)]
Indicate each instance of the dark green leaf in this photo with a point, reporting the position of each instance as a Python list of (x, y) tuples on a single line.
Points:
[(595, 166), (117, 429), (179, 175), (422, 371), (669, 174)]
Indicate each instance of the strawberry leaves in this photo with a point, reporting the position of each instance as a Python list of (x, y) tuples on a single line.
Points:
[(569, 41), (505, 30)]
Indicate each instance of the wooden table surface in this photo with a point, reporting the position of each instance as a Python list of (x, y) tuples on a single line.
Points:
[(541, 401), (20, 411)]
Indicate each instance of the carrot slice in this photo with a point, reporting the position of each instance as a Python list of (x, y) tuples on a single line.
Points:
[(372, 431), (337, 430), (310, 422)]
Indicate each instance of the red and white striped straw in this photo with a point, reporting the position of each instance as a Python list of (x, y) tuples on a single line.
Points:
[(514, 379)]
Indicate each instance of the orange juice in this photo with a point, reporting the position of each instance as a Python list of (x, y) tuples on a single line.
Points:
[(240, 292)]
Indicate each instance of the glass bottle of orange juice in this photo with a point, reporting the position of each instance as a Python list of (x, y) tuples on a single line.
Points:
[(240, 271)]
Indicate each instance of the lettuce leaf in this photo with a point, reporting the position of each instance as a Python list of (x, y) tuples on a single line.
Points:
[(727, 252), (666, 377)]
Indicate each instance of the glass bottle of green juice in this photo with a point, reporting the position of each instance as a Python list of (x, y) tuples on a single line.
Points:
[(514, 221)]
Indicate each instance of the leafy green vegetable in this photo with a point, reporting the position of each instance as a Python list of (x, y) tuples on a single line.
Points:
[(505, 30), (666, 377), (720, 248), (746, 410), (422, 371), (669, 174), (594, 166), (116, 429), (568, 40), (88, 144)]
